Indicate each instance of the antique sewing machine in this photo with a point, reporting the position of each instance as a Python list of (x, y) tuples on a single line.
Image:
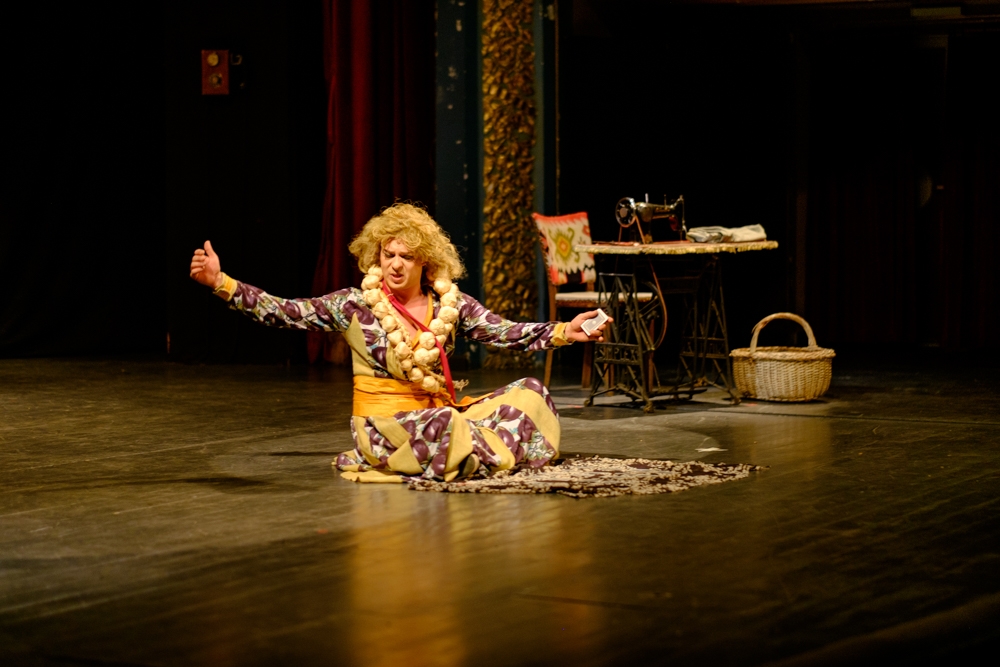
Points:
[(631, 215), (638, 274)]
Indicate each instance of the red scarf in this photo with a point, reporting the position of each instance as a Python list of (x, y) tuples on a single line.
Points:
[(420, 326)]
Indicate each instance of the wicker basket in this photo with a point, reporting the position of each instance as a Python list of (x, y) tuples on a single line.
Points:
[(782, 373)]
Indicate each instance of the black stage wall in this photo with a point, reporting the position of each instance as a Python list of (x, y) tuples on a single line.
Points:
[(116, 168), (81, 195), (682, 101), (862, 137), (245, 170)]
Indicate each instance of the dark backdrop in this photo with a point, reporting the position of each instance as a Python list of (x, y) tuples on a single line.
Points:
[(244, 170), (115, 167), (682, 101), (904, 175), (884, 120), (81, 191)]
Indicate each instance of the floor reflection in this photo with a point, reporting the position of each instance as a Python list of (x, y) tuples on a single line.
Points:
[(804, 443), (482, 560)]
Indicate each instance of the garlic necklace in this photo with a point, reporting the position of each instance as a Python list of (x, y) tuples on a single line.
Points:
[(423, 364)]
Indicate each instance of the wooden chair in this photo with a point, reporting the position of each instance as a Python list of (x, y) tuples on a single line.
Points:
[(566, 267)]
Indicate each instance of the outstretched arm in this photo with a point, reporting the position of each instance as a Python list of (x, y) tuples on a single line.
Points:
[(332, 312), (480, 324)]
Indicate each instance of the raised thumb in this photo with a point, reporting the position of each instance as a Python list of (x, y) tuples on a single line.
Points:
[(208, 249)]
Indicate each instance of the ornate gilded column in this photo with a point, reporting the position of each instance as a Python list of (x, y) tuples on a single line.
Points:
[(509, 236)]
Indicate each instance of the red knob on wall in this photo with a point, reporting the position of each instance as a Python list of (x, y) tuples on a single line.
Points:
[(215, 72)]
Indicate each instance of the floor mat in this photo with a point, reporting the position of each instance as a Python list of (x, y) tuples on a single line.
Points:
[(597, 477)]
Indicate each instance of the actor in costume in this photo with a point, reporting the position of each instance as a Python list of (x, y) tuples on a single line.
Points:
[(401, 325)]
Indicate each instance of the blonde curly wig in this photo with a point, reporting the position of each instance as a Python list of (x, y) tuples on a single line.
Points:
[(414, 227)]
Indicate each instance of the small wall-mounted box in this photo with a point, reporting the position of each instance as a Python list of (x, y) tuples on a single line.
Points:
[(215, 72)]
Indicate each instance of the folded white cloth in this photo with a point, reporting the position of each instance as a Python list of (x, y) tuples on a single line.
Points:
[(727, 234)]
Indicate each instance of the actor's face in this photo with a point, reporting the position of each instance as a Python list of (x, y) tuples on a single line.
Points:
[(401, 270)]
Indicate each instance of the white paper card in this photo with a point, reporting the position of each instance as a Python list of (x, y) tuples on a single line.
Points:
[(589, 326)]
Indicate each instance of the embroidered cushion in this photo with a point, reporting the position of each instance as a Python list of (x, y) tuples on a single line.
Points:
[(558, 235)]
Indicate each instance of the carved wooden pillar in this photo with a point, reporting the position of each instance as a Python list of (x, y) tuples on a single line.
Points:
[(509, 236)]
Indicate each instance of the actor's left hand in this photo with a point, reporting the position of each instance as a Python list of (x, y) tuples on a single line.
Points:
[(575, 332)]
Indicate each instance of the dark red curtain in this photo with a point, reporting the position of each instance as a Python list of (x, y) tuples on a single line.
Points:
[(379, 59)]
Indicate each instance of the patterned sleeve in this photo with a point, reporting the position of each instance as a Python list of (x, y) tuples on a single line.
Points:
[(332, 312), (478, 323)]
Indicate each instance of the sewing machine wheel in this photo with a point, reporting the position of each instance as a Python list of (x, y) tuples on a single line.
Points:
[(625, 211), (654, 311)]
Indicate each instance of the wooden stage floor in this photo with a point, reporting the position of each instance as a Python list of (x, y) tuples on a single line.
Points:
[(161, 514)]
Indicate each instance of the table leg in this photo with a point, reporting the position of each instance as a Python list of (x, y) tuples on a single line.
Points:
[(622, 362), (704, 355)]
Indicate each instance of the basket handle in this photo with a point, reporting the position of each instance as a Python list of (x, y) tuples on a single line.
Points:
[(782, 316)]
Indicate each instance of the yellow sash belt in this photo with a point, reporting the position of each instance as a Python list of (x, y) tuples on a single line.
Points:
[(384, 397)]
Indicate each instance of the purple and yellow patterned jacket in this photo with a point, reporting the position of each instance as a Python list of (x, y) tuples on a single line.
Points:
[(346, 311)]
